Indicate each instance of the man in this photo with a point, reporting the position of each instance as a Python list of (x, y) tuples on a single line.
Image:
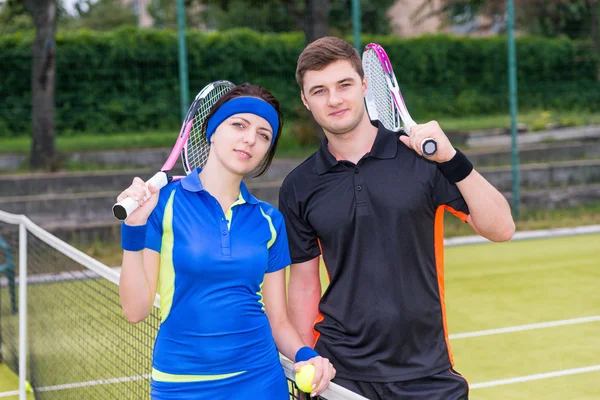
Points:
[(373, 206)]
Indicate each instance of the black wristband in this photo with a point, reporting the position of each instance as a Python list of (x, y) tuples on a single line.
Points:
[(457, 168)]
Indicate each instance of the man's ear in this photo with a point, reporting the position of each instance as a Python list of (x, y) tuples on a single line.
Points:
[(304, 100), (365, 85)]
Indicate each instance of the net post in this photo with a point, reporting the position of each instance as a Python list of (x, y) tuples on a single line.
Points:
[(22, 311)]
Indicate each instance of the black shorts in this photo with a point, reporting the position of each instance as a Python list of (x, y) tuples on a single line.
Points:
[(446, 385)]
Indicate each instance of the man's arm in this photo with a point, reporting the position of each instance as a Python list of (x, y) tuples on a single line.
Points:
[(304, 294), (489, 212)]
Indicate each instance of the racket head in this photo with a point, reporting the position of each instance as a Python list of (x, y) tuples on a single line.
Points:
[(379, 99), (195, 151)]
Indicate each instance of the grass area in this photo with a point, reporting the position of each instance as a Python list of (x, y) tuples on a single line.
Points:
[(289, 146), (535, 120), (533, 219), (501, 285), (110, 252), (78, 334), (129, 140), (9, 382)]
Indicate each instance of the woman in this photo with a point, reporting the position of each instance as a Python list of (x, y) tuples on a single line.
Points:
[(217, 256)]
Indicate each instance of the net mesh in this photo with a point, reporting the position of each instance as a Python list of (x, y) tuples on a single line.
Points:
[(378, 94), (79, 344), (196, 151)]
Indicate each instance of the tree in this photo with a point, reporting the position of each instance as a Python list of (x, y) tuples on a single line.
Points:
[(551, 18), (100, 15), (14, 17), (316, 18), (43, 13)]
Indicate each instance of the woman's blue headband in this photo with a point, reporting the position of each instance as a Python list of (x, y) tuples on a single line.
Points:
[(241, 105)]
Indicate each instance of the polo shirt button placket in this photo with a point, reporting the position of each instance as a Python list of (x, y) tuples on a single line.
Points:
[(361, 200)]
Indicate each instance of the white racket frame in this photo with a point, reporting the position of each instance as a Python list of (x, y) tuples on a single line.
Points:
[(398, 100), (123, 209)]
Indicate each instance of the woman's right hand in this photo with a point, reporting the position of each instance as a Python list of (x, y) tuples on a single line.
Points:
[(137, 191)]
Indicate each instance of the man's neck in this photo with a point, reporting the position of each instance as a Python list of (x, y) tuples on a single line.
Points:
[(353, 145)]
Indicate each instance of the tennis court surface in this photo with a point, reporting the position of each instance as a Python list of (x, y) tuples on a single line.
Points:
[(523, 318)]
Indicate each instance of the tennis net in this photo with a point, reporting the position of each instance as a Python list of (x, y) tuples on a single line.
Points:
[(78, 343)]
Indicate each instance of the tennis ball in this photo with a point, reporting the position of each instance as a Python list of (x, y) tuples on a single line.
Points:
[(28, 387), (304, 378)]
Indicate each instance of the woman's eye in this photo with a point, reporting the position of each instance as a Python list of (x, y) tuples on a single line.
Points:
[(238, 124), (265, 136)]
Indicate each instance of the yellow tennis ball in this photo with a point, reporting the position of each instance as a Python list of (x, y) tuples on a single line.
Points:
[(28, 387), (304, 378)]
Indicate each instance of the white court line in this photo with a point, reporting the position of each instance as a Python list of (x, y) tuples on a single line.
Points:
[(536, 377), (9, 394), (528, 327), (93, 383)]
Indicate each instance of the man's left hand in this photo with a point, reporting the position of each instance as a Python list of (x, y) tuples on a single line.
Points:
[(430, 130)]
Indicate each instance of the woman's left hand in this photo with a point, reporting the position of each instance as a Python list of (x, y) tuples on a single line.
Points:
[(324, 373)]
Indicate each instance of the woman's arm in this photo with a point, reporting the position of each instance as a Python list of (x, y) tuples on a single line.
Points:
[(288, 341), (139, 270), (138, 283)]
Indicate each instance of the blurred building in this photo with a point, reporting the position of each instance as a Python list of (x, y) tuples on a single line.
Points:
[(407, 19), (140, 7)]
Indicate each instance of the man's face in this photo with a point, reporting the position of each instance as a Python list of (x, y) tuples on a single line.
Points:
[(335, 97)]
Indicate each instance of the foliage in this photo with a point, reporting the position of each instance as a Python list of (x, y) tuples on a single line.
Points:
[(100, 15), (14, 17), (288, 15), (127, 80), (550, 18)]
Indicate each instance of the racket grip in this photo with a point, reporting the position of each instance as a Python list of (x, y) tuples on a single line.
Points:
[(428, 147), (125, 207)]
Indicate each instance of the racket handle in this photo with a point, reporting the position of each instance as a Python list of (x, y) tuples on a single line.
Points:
[(428, 147), (125, 207)]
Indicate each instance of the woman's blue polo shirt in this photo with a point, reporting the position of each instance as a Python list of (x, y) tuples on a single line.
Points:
[(212, 267)]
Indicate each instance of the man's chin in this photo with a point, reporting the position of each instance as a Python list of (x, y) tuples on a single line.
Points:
[(341, 129)]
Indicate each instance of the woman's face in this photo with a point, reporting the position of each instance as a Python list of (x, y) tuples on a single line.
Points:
[(241, 142)]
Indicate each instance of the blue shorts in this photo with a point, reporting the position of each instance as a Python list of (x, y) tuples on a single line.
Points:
[(268, 383)]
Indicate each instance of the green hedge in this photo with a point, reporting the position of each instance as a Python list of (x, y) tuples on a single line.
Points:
[(127, 80)]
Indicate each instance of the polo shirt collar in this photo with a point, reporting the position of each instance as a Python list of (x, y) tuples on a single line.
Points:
[(192, 183), (385, 146), (245, 194)]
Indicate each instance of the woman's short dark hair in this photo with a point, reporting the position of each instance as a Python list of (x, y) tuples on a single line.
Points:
[(250, 90)]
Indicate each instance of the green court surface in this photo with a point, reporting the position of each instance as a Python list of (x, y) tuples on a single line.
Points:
[(488, 286), (9, 382), (503, 285)]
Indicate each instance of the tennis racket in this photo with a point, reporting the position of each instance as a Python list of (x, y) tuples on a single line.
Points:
[(384, 101), (191, 144)]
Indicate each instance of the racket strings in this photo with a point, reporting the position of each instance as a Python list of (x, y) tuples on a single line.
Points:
[(387, 112), (384, 104), (197, 145)]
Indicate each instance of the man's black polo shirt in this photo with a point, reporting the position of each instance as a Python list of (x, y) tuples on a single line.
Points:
[(379, 224)]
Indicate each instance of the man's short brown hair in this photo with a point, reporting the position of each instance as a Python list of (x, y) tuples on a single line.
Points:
[(324, 51)]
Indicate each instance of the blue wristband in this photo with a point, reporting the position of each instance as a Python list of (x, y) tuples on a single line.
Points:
[(133, 238), (305, 353)]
